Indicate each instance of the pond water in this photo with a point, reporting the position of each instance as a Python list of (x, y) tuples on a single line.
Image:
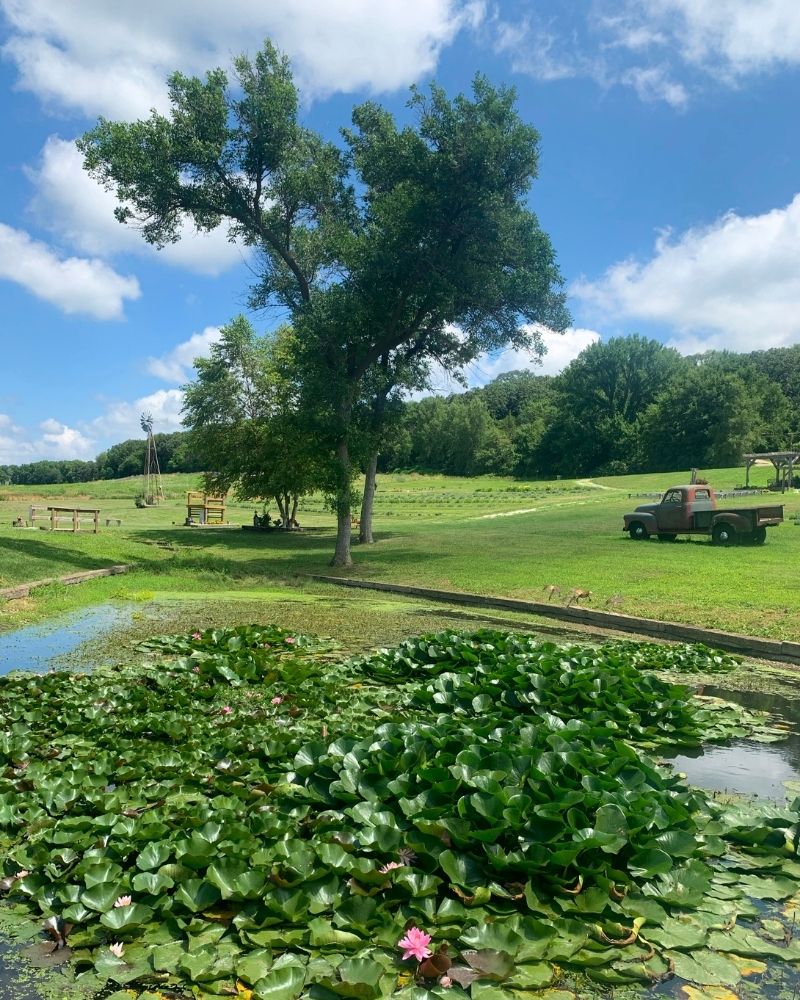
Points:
[(37, 647), (745, 766)]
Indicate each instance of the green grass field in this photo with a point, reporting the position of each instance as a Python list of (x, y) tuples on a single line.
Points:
[(487, 535)]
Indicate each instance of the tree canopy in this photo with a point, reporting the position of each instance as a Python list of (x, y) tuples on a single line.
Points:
[(401, 247)]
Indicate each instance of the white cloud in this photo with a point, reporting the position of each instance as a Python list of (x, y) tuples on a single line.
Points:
[(53, 440), (68, 202), (177, 366), (60, 441), (121, 419), (560, 349), (732, 284), (663, 49), (106, 58), (655, 84), (728, 39), (72, 284)]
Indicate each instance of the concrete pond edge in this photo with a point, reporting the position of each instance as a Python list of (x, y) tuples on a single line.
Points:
[(24, 589), (746, 645)]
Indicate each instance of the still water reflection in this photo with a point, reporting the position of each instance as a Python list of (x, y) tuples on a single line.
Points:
[(745, 766)]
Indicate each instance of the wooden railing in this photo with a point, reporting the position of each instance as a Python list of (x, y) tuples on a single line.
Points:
[(75, 516)]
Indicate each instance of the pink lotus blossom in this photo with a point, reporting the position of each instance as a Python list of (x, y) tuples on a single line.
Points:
[(390, 866), (22, 873), (226, 710), (415, 944), (122, 901), (446, 982), (117, 949), (196, 670), (290, 640), (197, 635), (276, 700)]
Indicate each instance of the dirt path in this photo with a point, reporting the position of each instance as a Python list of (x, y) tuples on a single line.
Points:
[(592, 485)]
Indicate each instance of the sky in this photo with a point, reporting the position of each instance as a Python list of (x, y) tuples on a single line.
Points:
[(669, 178)]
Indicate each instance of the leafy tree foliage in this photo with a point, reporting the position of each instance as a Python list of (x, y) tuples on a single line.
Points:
[(406, 246)]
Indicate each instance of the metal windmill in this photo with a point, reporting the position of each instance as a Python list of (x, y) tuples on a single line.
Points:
[(152, 487)]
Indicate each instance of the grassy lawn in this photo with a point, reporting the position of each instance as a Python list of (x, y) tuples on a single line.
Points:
[(432, 530)]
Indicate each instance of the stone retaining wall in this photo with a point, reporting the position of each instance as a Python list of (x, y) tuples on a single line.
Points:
[(24, 589), (746, 645)]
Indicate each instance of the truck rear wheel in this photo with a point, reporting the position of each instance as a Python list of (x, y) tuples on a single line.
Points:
[(759, 536), (723, 534), (637, 531)]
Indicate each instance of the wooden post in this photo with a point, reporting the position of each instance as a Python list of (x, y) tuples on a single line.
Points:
[(52, 519), (96, 521)]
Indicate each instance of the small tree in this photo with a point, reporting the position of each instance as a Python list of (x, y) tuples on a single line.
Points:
[(246, 423)]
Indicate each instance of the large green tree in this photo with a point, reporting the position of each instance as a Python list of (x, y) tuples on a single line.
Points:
[(405, 246), (705, 418), (599, 399)]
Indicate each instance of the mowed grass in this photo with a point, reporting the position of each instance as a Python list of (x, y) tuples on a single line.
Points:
[(486, 535)]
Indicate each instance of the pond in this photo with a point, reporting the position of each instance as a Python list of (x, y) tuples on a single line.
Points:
[(746, 767), (38, 647)]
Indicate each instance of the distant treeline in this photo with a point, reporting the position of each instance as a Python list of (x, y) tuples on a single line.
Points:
[(175, 454), (623, 405)]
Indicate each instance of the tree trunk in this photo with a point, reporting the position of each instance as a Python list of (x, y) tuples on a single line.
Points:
[(293, 517), (281, 510), (341, 556), (365, 529)]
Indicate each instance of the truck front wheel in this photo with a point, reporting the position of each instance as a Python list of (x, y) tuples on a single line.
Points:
[(637, 531), (723, 534)]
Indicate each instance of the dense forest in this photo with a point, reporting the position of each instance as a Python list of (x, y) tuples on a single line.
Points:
[(623, 405)]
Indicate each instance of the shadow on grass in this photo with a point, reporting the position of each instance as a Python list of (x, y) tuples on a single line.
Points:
[(268, 554), (48, 553)]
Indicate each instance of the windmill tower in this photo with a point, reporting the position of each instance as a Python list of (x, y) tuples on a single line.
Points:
[(152, 487)]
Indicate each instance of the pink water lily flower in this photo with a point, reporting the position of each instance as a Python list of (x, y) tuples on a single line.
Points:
[(197, 635), (389, 866), (123, 901), (415, 944), (22, 873), (290, 640), (276, 700), (226, 710), (446, 982), (117, 949)]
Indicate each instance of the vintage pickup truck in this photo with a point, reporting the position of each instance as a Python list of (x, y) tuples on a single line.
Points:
[(693, 510)]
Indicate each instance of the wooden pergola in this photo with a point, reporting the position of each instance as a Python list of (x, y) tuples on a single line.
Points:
[(783, 462)]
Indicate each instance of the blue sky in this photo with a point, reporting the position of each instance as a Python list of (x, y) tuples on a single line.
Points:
[(670, 178)]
